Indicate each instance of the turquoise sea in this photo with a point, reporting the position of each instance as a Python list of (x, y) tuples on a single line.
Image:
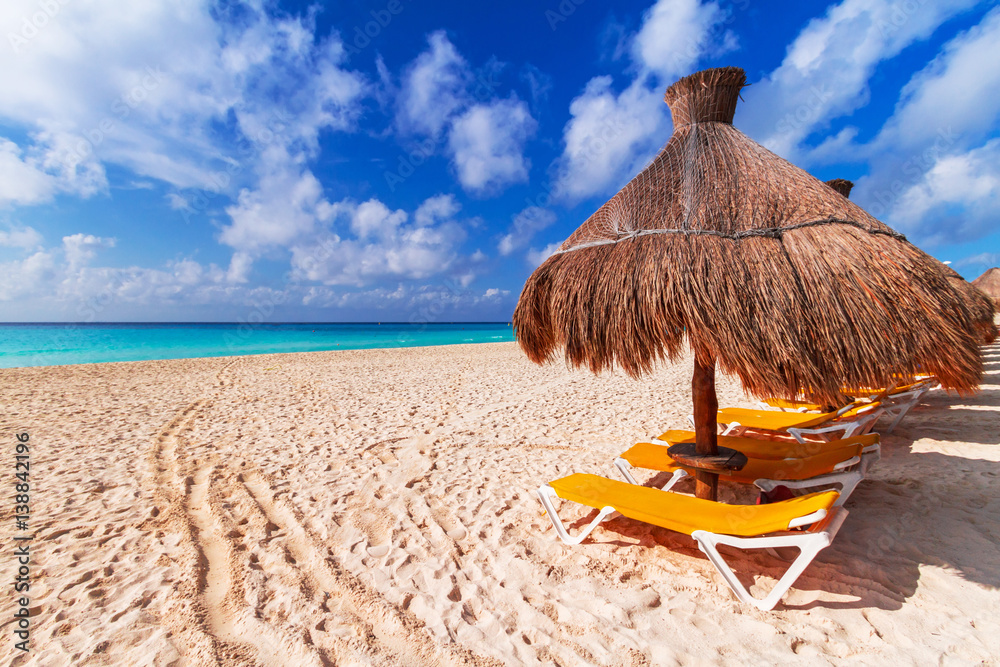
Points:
[(58, 344)]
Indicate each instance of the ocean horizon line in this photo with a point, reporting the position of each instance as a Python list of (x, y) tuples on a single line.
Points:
[(256, 324), (24, 344)]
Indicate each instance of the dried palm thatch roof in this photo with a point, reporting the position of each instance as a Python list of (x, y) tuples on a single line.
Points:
[(989, 284), (842, 186), (753, 261), (980, 306)]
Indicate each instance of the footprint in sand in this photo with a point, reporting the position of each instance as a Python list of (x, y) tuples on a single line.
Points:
[(451, 526), (379, 550)]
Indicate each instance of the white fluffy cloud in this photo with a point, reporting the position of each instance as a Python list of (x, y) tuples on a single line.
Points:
[(60, 283), (27, 277), (675, 34), (374, 220), (147, 86), (25, 237), (959, 89), (487, 145), (286, 206), (385, 244), (611, 135), (434, 209), (21, 182), (982, 260), (441, 95), (934, 168), (958, 198), (425, 303), (79, 249), (827, 68), (535, 257), (434, 88)]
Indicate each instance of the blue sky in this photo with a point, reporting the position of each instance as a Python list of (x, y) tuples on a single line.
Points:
[(402, 160)]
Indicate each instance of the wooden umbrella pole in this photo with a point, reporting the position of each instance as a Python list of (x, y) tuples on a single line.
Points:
[(706, 407)]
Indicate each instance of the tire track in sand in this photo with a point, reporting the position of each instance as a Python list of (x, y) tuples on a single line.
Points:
[(399, 636), (210, 611), (194, 612), (229, 618)]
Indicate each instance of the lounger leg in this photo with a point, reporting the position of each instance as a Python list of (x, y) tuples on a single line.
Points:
[(625, 468), (545, 495), (899, 411), (674, 478), (809, 545)]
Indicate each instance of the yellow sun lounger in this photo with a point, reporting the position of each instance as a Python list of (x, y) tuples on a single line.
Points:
[(787, 405), (841, 462), (850, 420), (896, 401), (709, 523), (759, 448)]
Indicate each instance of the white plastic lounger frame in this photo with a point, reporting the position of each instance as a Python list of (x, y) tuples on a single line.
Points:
[(896, 407), (625, 468), (808, 543), (860, 424), (824, 528), (848, 475), (546, 493)]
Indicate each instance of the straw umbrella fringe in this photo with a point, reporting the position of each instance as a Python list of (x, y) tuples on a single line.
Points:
[(980, 305), (760, 267)]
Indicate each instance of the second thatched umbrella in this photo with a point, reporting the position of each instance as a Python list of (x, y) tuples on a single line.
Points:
[(763, 269), (980, 306), (989, 284)]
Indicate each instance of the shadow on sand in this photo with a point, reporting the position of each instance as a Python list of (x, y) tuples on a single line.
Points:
[(916, 509)]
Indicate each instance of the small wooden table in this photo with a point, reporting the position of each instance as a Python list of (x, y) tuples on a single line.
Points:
[(727, 460)]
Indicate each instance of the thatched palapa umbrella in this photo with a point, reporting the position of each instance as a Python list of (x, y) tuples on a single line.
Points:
[(980, 306), (842, 186), (989, 284), (762, 268)]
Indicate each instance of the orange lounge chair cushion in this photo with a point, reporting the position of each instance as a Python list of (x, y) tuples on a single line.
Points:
[(654, 457), (686, 514), (757, 448)]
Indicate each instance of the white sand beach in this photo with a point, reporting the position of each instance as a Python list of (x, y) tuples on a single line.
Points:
[(377, 508)]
